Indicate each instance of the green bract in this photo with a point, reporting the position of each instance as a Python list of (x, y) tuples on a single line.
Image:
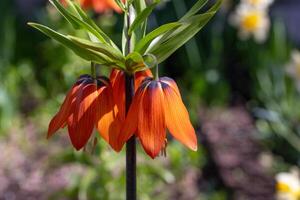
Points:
[(149, 49)]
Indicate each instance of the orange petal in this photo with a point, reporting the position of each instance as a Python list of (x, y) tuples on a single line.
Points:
[(82, 120), (151, 119), (86, 3), (107, 120), (117, 79), (112, 4), (177, 117), (101, 6), (140, 76), (60, 119), (171, 83), (129, 127)]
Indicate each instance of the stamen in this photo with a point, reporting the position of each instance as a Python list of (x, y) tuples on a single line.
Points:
[(163, 151)]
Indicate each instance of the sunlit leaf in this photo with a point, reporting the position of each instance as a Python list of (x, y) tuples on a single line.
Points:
[(84, 23), (173, 40), (141, 18), (143, 44), (87, 54), (102, 48), (197, 6)]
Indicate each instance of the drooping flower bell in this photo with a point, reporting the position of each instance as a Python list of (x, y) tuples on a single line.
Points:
[(117, 78), (88, 104), (157, 106)]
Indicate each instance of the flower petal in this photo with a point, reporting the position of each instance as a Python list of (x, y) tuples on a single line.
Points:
[(151, 119), (139, 77), (177, 117), (107, 118), (60, 119), (117, 79), (129, 127), (82, 120)]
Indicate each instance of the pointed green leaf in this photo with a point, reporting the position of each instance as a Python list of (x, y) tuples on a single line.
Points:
[(102, 48), (197, 6), (85, 23), (89, 21), (175, 39), (134, 61), (140, 5), (143, 44), (120, 4), (87, 54), (150, 61), (163, 50), (141, 18)]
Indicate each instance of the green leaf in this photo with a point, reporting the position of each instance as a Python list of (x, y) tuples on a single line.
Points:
[(139, 5), (141, 18), (84, 23), (102, 48), (163, 50), (87, 54), (150, 60), (197, 6), (175, 39), (135, 62), (120, 4), (143, 44), (66, 14)]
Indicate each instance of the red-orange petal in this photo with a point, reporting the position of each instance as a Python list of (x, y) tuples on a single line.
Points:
[(151, 119), (60, 119), (100, 5), (82, 120), (177, 117), (139, 77), (129, 127), (117, 78), (107, 119), (112, 4), (86, 3)]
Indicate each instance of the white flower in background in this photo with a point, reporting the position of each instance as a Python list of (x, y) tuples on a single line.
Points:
[(260, 4), (251, 22), (293, 67), (288, 185)]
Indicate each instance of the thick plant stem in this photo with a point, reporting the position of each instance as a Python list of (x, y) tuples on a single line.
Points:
[(130, 146)]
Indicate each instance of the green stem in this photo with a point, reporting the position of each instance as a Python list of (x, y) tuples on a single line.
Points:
[(131, 143), (93, 70)]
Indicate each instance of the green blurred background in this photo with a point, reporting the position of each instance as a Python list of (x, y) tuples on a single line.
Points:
[(242, 94)]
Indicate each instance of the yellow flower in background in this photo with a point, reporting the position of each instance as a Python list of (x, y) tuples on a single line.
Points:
[(260, 4), (251, 22), (288, 185), (293, 67)]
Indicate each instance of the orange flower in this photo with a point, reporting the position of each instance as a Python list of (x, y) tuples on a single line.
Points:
[(157, 105), (88, 103), (117, 78), (100, 6)]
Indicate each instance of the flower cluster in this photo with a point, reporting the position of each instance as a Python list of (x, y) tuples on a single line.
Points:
[(251, 18), (100, 102), (288, 185)]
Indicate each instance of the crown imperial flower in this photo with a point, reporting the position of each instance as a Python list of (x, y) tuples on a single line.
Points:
[(88, 104), (157, 106)]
